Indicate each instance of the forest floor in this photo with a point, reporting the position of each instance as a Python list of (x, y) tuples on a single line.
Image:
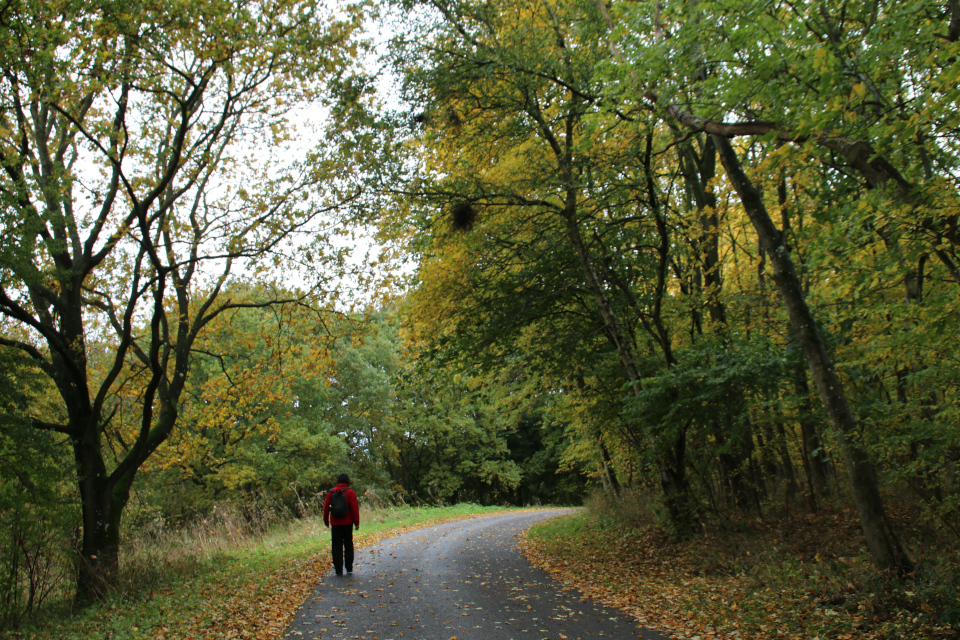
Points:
[(795, 576)]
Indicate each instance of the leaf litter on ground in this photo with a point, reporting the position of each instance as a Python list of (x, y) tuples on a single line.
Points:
[(803, 577)]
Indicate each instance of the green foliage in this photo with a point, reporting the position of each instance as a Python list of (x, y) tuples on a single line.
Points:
[(453, 439), (281, 400), (359, 406), (37, 511), (590, 303), (538, 447), (711, 382)]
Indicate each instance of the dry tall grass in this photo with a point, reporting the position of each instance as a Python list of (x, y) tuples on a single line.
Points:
[(158, 553)]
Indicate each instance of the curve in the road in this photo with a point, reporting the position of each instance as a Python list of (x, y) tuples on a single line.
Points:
[(460, 580)]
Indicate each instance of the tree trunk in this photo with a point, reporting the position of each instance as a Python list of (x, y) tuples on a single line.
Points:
[(681, 508), (813, 453), (98, 564), (609, 475), (812, 503), (733, 456), (789, 473), (674, 483), (103, 498), (882, 540)]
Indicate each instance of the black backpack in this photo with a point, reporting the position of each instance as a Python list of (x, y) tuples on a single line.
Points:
[(339, 508)]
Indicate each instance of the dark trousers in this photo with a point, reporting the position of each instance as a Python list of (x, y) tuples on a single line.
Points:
[(342, 535)]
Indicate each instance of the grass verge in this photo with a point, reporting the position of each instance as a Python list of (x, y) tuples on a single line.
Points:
[(251, 591), (801, 576)]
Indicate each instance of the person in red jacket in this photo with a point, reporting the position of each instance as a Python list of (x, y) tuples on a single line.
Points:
[(342, 516)]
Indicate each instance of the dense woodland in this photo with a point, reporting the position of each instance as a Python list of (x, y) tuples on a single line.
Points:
[(706, 252)]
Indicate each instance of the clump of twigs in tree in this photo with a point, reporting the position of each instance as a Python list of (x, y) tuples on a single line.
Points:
[(463, 215)]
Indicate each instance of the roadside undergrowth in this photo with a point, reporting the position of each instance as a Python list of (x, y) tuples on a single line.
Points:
[(803, 576)]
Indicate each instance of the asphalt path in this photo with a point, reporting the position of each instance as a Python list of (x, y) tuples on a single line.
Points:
[(459, 580)]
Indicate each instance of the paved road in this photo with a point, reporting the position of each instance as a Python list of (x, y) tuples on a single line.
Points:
[(463, 579)]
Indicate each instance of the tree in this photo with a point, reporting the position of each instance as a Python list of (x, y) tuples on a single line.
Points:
[(451, 433), (148, 160), (568, 204), (818, 77), (361, 401), (252, 420)]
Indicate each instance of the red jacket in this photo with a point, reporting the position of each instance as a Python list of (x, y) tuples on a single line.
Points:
[(351, 496)]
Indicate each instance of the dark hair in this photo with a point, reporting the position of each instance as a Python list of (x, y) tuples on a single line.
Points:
[(343, 479)]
